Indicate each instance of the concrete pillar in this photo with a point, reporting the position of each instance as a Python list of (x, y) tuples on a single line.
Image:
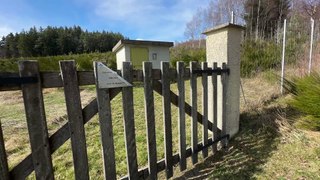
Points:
[(223, 46)]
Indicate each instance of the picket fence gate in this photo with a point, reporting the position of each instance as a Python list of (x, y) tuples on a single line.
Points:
[(32, 82)]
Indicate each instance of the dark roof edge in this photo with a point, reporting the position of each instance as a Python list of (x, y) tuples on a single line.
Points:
[(122, 42), (224, 26)]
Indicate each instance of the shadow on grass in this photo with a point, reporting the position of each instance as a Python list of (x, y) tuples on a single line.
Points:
[(247, 152)]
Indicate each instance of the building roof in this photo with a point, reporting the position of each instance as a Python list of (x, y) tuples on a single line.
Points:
[(123, 42), (222, 27)]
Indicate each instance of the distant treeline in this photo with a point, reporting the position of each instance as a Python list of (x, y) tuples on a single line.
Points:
[(53, 41)]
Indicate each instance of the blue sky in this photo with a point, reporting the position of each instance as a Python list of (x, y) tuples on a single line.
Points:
[(136, 19)]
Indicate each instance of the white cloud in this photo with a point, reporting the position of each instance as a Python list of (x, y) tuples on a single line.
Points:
[(155, 19), (5, 30)]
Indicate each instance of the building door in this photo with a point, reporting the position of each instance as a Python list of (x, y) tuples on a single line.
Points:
[(138, 55)]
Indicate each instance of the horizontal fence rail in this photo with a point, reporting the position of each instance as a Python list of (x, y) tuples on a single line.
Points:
[(31, 82)]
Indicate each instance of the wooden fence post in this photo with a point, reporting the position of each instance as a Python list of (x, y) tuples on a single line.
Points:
[(129, 127), (106, 129), (225, 89), (204, 66), (194, 111), (215, 108), (166, 98), (36, 120), (150, 119), (181, 115), (75, 118), (4, 171)]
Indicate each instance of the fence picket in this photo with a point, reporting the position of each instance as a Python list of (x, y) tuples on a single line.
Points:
[(150, 119), (194, 111), (78, 117), (75, 118), (4, 171), (106, 129), (36, 121), (215, 108), (181, 115), (174, 100), (57, 139), (204, 66), (166, 98), (224, 79), (129, 127)]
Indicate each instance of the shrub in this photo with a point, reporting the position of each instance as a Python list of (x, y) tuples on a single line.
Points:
[(259, 56), (262, 55), (51, 63), (186, 55), (306, 99)]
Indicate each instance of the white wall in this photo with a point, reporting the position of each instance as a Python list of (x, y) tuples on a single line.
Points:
[(122, 55), (223, 46), (162, 55)]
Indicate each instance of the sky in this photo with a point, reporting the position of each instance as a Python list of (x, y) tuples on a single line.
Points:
[(136, 19)]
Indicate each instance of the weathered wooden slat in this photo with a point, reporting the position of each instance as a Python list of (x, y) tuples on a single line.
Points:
[(36, 121), (181, 115), (106, 129), (150, 119), (129, 127), (4, 171), (194, 111), (53, 79), (75, 119), (166, 108), (224, 79), (215, 108), (204, 66), (157, 86), (144, 172), (25, 167)]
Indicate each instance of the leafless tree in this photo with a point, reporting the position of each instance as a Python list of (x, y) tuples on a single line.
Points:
[(217, 12)]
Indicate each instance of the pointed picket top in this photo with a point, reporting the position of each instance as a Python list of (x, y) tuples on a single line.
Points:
[(108, 78)]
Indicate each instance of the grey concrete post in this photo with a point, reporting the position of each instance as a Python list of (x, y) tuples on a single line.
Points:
[(223, 46)]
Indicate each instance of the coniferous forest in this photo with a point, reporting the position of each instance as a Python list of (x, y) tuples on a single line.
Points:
[(51, 41)]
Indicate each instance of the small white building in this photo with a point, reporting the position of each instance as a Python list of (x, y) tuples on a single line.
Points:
[(138, 51)]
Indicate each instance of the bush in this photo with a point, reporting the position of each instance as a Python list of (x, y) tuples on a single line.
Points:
[(84, 62), (259, 56), (186, 55), (262, 55), (306, 99)]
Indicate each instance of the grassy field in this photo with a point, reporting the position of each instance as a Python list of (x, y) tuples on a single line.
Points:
[(268, 145)]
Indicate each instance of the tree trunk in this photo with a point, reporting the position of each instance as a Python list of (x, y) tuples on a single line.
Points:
[(257, 25)]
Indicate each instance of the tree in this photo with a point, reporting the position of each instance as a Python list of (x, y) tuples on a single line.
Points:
[(27, 41), (265, 17), (193, 28), (52, 41), (216, 13)]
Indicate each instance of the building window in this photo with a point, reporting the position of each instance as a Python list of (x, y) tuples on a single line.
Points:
[(154, 56)]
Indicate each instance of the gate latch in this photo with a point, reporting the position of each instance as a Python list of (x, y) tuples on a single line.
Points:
[(218, 71)]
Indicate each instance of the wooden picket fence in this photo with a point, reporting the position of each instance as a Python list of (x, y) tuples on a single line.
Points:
[(32, 82)]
